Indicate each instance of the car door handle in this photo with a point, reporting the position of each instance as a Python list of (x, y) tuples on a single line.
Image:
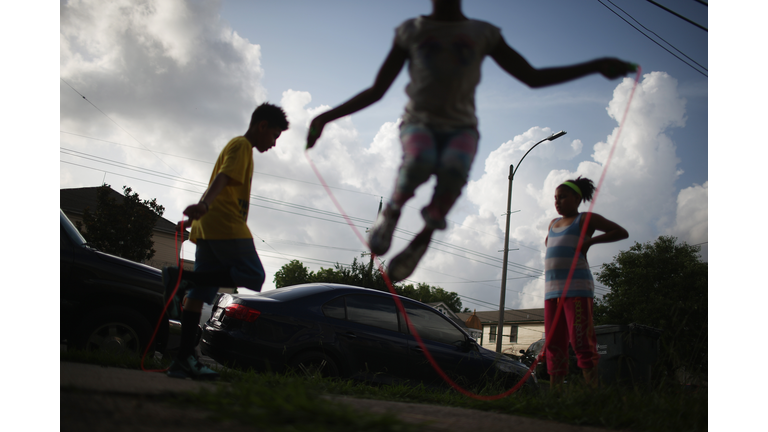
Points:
[(350, 335)]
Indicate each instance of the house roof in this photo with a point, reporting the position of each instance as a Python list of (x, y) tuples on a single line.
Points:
[(76, 200), (474, 322), (510, 316)]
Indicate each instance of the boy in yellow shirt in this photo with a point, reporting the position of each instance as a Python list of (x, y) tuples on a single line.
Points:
[(225, 255)]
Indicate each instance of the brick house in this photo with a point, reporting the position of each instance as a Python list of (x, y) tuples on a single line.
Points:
[(73, 202)]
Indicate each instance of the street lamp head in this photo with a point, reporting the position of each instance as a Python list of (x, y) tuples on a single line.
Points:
[(556, 135)]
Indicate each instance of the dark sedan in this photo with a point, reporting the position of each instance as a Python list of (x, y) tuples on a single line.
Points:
[(345, 331), (107, 302)]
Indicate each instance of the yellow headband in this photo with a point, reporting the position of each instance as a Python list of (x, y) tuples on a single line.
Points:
[(574, 187)]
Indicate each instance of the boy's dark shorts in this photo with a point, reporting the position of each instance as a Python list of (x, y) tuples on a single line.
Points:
[(237, 255)]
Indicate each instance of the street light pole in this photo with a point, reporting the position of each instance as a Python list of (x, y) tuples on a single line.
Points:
[(502, 300)]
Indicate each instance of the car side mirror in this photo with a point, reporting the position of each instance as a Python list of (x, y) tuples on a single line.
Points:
[(471, 345), (522, 351)]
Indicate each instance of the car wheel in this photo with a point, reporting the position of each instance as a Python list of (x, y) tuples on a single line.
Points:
[(315, 364), (120, 331)]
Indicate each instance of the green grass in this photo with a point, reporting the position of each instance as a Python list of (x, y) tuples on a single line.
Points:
[(296, 403), (105, 358)]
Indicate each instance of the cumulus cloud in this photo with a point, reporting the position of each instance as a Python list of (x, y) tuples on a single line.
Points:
[(168, 74), (691, 219), (638, 191), (171, 77)]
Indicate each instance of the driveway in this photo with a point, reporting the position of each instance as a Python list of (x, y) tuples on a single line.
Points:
[(98, 398)]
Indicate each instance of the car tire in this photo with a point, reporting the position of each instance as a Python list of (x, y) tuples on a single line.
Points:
[(315, 364), (119, 330)]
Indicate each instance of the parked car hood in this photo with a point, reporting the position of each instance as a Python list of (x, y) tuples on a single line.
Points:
[(129, 271)]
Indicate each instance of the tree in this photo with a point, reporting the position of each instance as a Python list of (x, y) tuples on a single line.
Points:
[(365, 276), (429, 294), (121, 228), (357, 274), (293, 273), (662, 285)]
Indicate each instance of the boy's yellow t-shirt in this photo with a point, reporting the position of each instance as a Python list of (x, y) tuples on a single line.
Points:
[(227, 216)]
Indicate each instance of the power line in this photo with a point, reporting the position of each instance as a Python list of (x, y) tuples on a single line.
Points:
[(340, 220), (86, 156), (308, 259), (651, 39), (678, 15), (211, 163), (654, 33), (200, 184), (120, 164), (118, 125)]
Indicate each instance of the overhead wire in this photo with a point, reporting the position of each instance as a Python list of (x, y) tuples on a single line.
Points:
[(651, 39), (655, 34), (117, 124), (469, 252), (122, 165), (202, 185), (678, 15)]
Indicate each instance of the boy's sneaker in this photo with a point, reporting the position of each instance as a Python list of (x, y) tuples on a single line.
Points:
[(381, 235), (170, 277), (406, 261), (432, 218), (191, 367)]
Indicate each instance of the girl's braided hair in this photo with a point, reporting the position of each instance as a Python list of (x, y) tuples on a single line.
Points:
[(587, 187)]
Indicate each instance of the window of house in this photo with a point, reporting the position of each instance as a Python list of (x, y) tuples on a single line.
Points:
[(513, 334), (492, 337)]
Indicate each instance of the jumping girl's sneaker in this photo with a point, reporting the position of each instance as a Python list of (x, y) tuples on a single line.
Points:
[(406, 261), (191, 367), (381, 235), (432, 218)]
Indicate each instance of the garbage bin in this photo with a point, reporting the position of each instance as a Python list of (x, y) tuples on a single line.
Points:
[(627, 353)]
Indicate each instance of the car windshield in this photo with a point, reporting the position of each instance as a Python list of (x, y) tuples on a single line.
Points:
[(70, 229)]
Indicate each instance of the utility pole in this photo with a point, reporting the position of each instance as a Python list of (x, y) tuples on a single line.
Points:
[(370, 265), (500, 325), (377, 218), (511, 177)]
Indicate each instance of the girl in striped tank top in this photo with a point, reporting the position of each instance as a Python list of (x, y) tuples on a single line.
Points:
[(575, 322)]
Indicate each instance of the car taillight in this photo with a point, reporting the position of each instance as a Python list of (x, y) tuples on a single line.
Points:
[(241, 312)]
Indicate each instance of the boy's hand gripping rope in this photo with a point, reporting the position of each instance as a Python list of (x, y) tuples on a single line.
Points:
[(565, 289)]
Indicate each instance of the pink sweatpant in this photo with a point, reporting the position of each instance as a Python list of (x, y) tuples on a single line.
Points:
[(574, 325)]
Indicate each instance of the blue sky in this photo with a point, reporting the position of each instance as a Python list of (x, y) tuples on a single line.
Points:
[(172, 82), (334, 65)]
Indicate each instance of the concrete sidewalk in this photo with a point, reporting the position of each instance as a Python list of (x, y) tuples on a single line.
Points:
[(124, 400), (125, 381)]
